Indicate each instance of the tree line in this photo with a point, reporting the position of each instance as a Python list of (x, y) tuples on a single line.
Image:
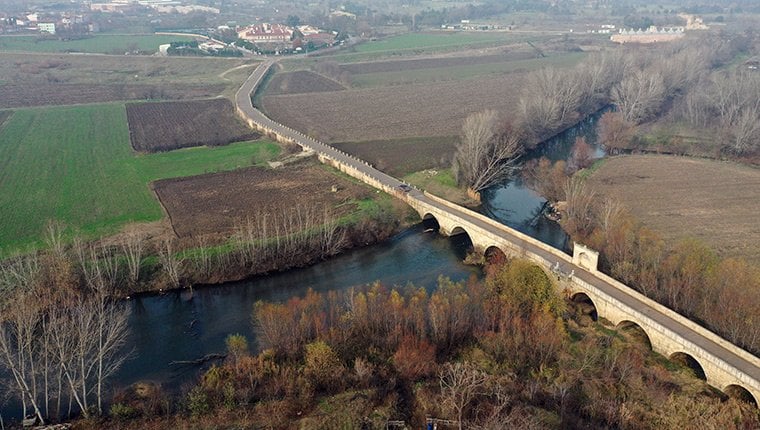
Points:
[(687, 83), (680, 80), (63, 324), (686, 276), (505, 351)]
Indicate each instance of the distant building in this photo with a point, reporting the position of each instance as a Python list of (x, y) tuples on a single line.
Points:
[(112, 7), (342, 14), (266, 33), (184, 9), (650, 35), (46, 27), (693, 22)]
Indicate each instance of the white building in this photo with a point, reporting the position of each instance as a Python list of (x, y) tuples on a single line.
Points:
[(46, 27)]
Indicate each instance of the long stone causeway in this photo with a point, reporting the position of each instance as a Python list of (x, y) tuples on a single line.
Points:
[(725, 365)]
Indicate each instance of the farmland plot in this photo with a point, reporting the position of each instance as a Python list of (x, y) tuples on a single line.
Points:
[(217, 203), (435, 62), (55, 79), (396, 112), (300, 82), (25, 95), (75, 165), (402, 156), (165, 126), (680, 197)]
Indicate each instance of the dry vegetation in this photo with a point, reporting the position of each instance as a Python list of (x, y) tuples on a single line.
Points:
[(217, 203), (504, 352), (715, 202), (301, 81), (155, 127), (393, 112)]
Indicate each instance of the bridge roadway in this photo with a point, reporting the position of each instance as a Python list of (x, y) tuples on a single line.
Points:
[(724, 364)]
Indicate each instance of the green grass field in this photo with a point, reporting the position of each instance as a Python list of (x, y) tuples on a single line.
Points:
[(368, 80), (75, 165), (411, 44), (412, 41), (100, 44)]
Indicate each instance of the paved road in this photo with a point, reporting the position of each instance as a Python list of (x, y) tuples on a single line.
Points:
[(634, 300)]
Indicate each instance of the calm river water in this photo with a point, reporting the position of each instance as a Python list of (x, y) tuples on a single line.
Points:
[(175, 326)]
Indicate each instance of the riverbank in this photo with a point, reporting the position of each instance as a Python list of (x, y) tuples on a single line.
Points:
[(234, 261)]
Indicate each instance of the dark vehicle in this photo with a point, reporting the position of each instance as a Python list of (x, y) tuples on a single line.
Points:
[(405, 188)]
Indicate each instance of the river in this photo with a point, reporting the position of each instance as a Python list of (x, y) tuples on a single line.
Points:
[(175, 326), (180, 325)]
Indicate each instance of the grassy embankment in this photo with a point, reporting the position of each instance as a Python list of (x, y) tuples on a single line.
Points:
[(75, 165), (100, 44)]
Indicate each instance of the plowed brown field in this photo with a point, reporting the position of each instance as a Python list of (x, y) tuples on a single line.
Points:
[(395, 112), (716, 202), (300, 82), (165, 126), (217, 203), (403, 156)]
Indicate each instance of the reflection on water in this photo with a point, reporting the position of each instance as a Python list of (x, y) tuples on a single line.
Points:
[(175, 326), (519, 207), (178, 326)]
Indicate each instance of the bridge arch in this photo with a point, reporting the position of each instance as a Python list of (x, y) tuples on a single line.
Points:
[(458, 230), (587, 305), (636, 331), (687, 360), (429, 221), (738, 392), (494, 255)]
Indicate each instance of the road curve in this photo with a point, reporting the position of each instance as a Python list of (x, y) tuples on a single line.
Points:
[(729, 354)]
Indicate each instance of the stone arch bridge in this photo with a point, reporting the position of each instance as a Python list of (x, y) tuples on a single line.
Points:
[(723, 365)]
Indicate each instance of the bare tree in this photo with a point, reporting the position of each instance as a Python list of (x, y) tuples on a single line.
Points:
[(550, 100), (170, 261), (483, 155), (639, 96), (460, 384), (580, 209), (132, 247), (744, 131), (19, 349), (615, 132)]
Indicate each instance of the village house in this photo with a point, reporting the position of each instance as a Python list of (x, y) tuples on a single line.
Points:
[(46, 27)]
